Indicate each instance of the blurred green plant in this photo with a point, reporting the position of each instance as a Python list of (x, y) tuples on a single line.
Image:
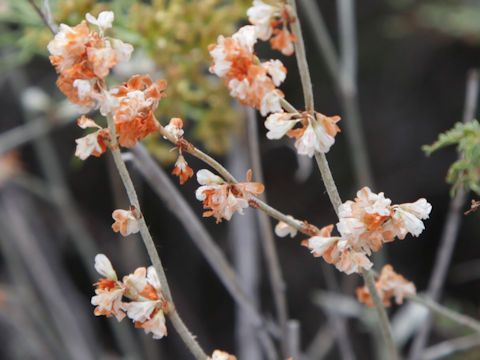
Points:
[(174, 35), (454, 18), (465, 172)]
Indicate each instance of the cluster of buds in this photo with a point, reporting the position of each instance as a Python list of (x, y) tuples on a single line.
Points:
[(272, 20), (146, 303), (222, 198), (364, 225), (83, 59), (389, 284)]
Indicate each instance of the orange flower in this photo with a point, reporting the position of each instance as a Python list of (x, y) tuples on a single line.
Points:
[(182, 170), (125, 221), (389, 284), (134, 118)]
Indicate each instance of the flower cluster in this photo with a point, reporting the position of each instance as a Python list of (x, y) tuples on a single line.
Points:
[(146, 305), (364, 225), (389, 284), (273, 18), (223, 199), (316, 134), (83, 58), (253, 83)]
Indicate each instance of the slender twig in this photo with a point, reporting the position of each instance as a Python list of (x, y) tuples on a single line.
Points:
[(328, 179), (446, 312), (450, 228), (172, 314), (267, 237), (51, 26), (48, 15), (164, 188), (450, 347)]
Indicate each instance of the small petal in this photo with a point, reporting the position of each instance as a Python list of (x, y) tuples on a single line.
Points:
[(104, 267)]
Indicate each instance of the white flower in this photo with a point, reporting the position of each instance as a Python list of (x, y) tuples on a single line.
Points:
[(408, 222), (319, 244), (218, 54), (156, 325), (206, 177), (152, 278), (246, 37), (104, 20), (174, 128), (283, 229), (140, 310), (124, 50), (104, 267), (136, 282), (271, 103), (375, 203), (278, 124), (84, 88), (239, 89), (125, 222), (324, 140), (351, 227), (260, 15), (109, 302), (276, 70), (88, 145), (420, 208)]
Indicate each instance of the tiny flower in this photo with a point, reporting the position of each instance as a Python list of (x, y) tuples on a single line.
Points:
[(125, 222), (152, 278), (260, 15), (270, 103), (104, 267), (283, 229), (174, 128), (389, 284), (104, 20), (108, 302), (93, 144), (279, 124), (320, 243), (140, 310), (276, 70), (182, 170), (135, 283), (206, 177), (155, 325)]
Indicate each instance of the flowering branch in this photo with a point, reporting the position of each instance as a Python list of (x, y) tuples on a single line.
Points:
[(330, 184), (177, 322)]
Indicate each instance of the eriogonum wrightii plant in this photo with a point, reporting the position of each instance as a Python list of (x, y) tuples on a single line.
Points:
[(364, 225), (389, 284), (139, 297)]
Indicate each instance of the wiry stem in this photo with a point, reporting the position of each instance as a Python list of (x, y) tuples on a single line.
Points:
[(172, 314), (328, 179)]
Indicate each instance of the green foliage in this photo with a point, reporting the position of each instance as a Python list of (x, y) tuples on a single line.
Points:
[(465, 172)]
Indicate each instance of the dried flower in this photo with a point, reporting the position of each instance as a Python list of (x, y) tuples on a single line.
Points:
[(389, 284), (224, 199), (125, 221), (182, 170)]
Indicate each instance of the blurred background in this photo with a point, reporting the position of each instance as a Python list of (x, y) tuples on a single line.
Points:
[(413, 59)]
